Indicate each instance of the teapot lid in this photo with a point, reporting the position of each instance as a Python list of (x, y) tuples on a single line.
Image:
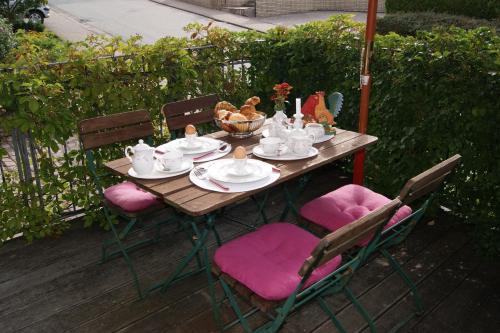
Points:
[(141, 146)]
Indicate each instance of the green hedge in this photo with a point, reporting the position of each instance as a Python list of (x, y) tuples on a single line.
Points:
[(434, 95), (487, 9), (409, 23)]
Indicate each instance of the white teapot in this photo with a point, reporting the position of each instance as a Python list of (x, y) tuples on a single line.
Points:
[(143, 158), (299, 142)]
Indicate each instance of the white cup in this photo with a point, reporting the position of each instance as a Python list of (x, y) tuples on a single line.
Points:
[(191, 139), (171, 160), (270, 145), (239, 166), (316, 130)]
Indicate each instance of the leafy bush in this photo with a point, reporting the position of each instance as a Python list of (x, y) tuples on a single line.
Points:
[(28, 26), (487, 9), (434, 94), (6, 38), (409, 23)]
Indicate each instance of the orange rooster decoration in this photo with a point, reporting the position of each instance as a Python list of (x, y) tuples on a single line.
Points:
[(315, 108)]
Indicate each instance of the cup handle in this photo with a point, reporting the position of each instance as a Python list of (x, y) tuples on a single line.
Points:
[(127, 154)]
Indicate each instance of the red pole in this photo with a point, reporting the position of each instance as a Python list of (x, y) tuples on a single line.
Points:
[(366, 82)]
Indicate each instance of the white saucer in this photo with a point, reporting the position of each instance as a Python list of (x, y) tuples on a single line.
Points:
[(185, 165), (221, 170), (283, 151), (159, 174), (257, 151), (205, 145), (265, 134)]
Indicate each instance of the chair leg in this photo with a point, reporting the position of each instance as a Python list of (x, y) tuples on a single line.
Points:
[(236, 308), (417, 300), (360, 309), (326, 309), (291, 198), (130, 266)]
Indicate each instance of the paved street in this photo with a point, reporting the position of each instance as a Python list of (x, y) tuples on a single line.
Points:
[(122, 17), (153, 19)]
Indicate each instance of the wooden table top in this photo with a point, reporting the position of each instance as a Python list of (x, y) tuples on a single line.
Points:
[(180, 193)]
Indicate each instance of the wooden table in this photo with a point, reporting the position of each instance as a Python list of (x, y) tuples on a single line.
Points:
[(181, 194), (193, 201)]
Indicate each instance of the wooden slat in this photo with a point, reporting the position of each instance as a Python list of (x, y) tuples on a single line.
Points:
[(115, 120), (348, 236), (432, 175), (189, 105), (99, 139), (182, 121)]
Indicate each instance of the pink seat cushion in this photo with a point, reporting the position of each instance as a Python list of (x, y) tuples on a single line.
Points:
[(130, 198), (347, 204), (267, 261)]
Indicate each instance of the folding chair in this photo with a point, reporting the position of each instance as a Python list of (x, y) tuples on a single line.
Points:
[(281, 267), (125, 199), (344, 205), (196, 111)]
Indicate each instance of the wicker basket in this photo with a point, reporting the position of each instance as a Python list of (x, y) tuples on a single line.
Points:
[(239, 128)]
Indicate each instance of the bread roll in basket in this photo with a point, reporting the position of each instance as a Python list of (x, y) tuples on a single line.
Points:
[(239, 123)]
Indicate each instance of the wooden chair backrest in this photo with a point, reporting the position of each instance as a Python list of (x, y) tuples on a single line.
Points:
[(348, 236), (429, 180), (101, 131), (190, 111)]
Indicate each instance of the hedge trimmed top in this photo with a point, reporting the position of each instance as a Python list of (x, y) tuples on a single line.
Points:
[(488, 9)]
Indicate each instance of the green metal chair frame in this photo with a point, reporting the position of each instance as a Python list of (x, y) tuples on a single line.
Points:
[(96, 133), (336, 282), (420, 188)]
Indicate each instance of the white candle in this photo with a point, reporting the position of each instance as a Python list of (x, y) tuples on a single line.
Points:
[(298, 106)]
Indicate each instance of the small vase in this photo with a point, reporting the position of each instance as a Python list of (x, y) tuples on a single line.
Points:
[(278, 123)]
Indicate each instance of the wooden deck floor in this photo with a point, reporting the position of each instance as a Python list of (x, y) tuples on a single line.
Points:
[(57, 285)]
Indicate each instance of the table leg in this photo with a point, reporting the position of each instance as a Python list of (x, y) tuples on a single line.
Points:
[(199, 248), (291, 197)]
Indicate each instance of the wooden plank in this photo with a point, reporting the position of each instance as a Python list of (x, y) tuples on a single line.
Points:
[(435, 289), (99, 139), (380, 298), (182, 121), (473, 306), (181, 107), (215, 200), (115, 120), (419, 183)]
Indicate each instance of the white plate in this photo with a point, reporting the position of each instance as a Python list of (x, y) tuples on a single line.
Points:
[(157, 173), (257, 151), (265, 133), (221, 171), (233, 188), (206, 145)]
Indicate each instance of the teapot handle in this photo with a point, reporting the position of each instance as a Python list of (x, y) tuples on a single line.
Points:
[(127, 154)]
